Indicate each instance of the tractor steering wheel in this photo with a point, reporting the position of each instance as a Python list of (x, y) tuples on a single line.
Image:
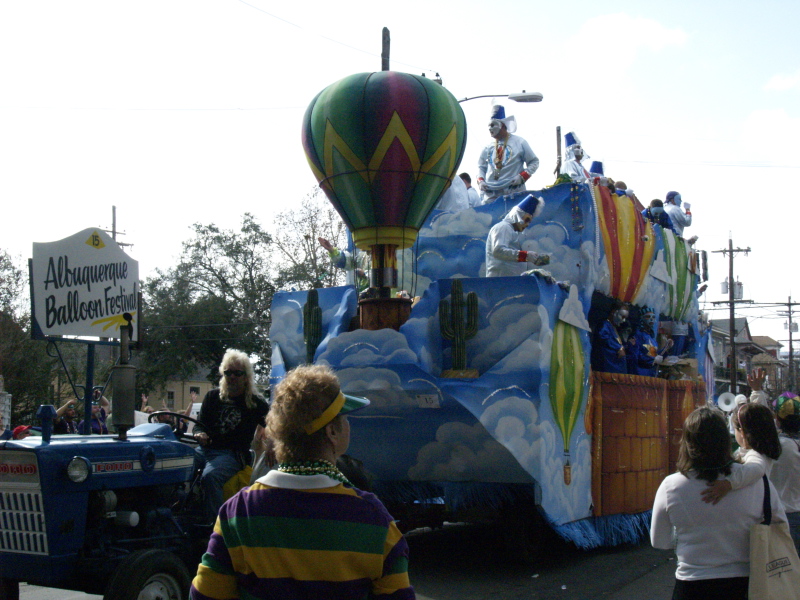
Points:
[(181, 435)]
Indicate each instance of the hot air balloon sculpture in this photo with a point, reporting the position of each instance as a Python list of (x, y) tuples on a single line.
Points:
[(384, 147), (677, 258), (567, 383), (628, 242)]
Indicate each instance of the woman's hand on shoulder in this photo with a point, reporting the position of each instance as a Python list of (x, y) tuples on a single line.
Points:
[(716, 491)]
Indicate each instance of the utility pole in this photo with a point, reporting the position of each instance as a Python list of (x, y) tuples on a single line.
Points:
[(730, 251), (789, 313), (121, 244), (385, 49)]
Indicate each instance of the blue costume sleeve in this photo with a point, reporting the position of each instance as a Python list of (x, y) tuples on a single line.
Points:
[(605, 351), (640, 354)]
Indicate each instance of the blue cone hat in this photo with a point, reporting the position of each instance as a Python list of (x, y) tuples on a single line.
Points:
[(531, 205), (571, 139), (499, 114), (597, 168)]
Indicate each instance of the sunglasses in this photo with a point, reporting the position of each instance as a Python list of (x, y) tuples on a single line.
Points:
[(234, 373)]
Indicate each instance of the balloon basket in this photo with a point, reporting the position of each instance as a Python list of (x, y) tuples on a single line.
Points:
[(383, 313), (461, 373), (567, 474)]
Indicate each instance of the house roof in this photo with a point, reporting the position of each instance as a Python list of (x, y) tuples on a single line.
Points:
[(765, 358), (723, 327), (766, 341)]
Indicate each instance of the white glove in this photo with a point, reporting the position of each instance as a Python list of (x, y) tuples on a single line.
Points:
[(658, 359), (517, 181), (482, 185), (687, 206), (537, 259)]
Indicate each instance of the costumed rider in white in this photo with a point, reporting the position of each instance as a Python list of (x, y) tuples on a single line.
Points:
[(455, 198), (575, 154), (504, 254), (680, 217), (507, 163)]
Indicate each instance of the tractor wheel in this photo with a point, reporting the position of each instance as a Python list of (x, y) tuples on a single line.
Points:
[(149, 575)]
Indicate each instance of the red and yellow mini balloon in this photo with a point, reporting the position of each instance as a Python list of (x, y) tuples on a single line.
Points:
[(384, 147)]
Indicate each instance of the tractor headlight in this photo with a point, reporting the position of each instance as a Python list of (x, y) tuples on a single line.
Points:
[(78, 469)]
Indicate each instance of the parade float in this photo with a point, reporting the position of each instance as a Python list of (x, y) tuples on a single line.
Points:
[(483, 401)]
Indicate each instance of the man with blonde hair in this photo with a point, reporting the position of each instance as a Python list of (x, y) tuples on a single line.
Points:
[(226, 423)]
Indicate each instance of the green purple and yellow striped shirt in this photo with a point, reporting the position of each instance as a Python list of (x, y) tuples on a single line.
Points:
[(292, 537)]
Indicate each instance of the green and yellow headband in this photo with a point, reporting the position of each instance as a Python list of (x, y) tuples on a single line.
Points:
[(342, 404)]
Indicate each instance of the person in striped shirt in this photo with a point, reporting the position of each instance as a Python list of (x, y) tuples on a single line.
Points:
[(302, 530)]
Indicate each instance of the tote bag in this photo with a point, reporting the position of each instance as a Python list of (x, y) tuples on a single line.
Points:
[(774, 565)]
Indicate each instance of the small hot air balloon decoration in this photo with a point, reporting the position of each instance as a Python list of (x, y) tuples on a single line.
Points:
[(567, 383), (384, 147), (677, 256)]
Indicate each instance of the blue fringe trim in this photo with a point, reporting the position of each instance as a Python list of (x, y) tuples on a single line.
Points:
[(581, 533), (610, 530)]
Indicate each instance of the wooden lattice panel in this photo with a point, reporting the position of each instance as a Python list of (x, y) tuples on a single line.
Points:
[(636, 425)]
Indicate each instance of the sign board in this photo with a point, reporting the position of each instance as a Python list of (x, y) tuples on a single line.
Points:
[(82, 285)]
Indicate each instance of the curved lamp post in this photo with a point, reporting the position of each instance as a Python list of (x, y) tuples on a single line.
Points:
[(522, 96)]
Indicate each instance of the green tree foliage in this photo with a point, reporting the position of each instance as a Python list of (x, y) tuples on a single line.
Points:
[(12, 284), (302, 263), (217, 297), (26, 368)]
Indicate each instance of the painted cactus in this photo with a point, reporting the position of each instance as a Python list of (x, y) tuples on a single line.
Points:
[(452, 325), (312, 324)]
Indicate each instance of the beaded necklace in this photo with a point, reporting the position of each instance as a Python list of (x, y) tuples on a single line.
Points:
[(500, 148), (314, 467)]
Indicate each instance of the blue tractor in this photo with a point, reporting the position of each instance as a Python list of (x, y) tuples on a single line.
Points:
[(101, 514)]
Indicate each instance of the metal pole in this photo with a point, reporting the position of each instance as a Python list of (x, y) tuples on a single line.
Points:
[(731, 304), (385, 50), (791, 361), (558, 151), (88, 392)]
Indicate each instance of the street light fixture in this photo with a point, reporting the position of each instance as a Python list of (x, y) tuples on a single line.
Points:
[(522, 96)]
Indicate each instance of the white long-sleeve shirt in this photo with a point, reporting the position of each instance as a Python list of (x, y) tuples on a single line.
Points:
[(474, 197), (759, 397), (515, 157), (786, 474), (679, 218), (754, 466), (575, 170), (504, 255), (711, 541), (455, 198)]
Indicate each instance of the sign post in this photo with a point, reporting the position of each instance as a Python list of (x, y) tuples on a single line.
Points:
[(84, 286)]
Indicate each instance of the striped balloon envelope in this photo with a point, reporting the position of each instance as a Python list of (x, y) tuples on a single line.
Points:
[(628, 241), (384, 147), (677, 256)]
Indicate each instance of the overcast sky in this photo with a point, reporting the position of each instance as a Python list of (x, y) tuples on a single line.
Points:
[(184, 111)]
